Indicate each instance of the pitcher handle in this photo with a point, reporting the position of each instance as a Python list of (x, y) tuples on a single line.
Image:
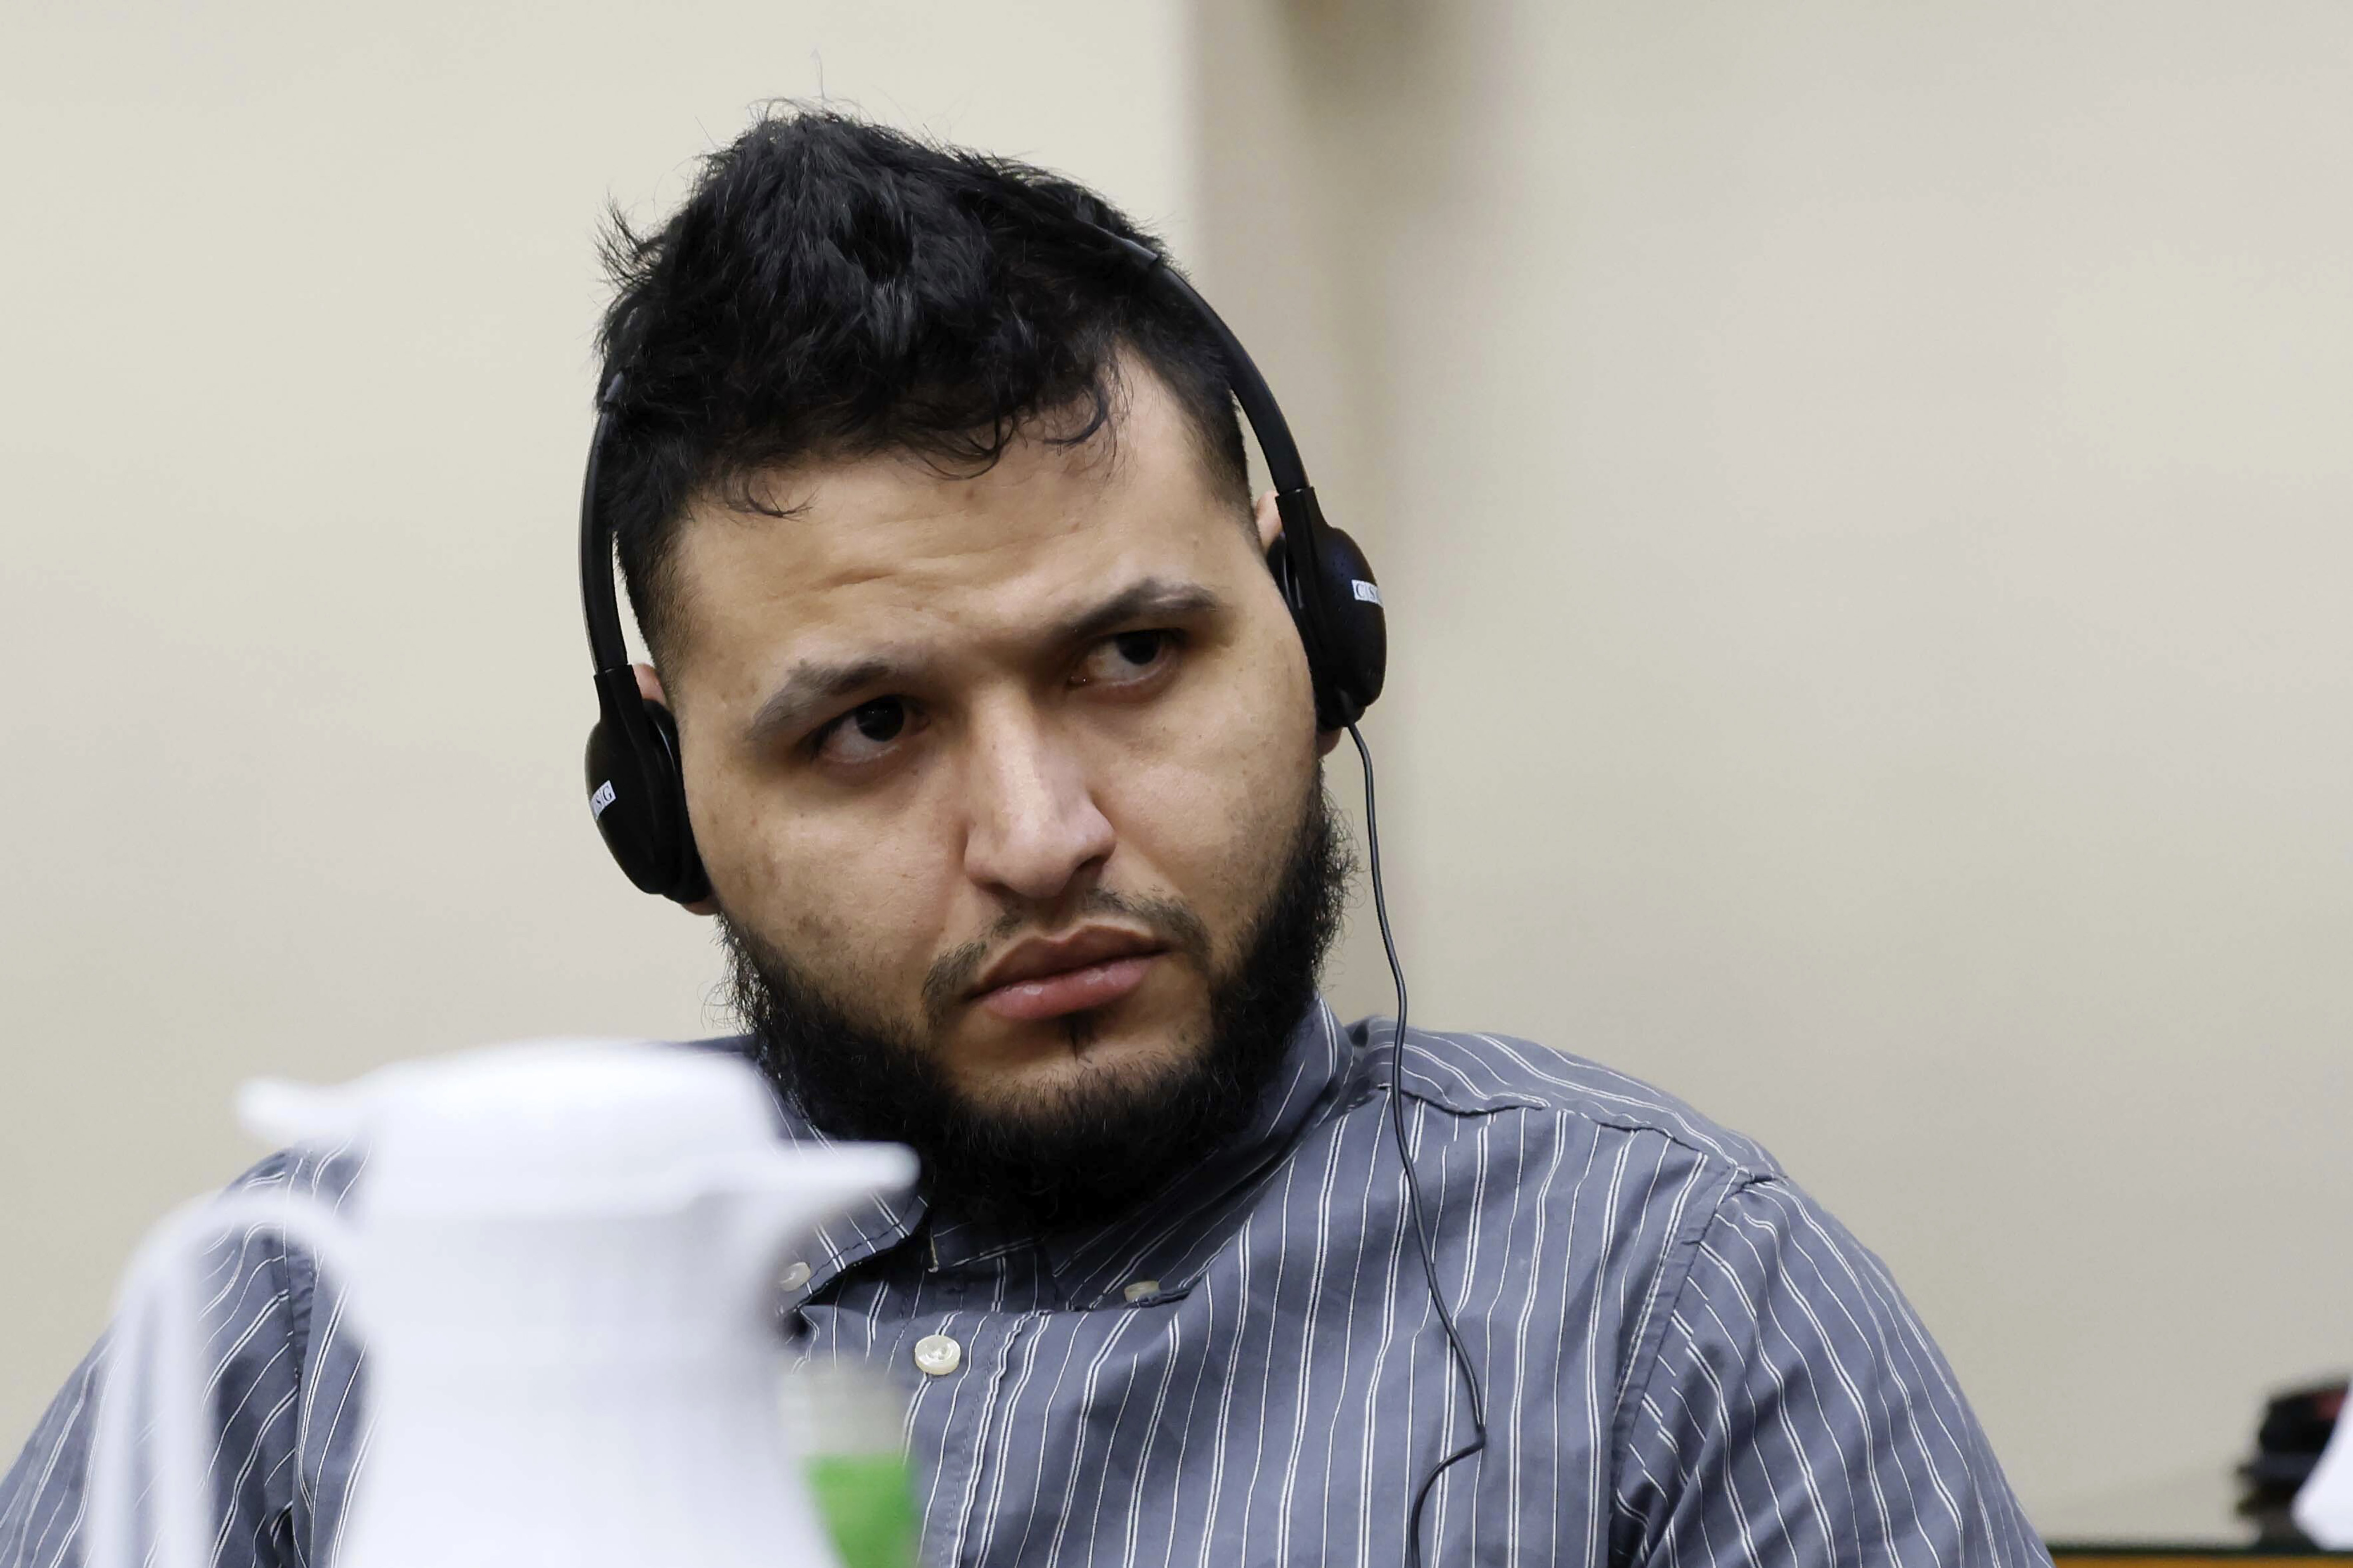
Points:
[(157, 1299)]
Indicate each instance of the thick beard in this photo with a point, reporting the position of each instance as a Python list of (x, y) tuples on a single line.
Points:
[(1085, 1151)]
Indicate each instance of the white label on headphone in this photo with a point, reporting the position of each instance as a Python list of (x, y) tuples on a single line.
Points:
[(601, 799), (1370, 592)]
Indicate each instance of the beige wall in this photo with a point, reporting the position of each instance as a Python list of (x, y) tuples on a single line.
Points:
[(296, 347), (1862, 489), (1864, 495)]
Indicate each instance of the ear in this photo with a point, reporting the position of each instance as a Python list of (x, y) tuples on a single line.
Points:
[(650, 687)]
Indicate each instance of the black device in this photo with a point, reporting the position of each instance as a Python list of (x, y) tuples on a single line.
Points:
[(637, 791)]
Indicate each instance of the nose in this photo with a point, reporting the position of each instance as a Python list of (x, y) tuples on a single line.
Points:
[(1034, 827)]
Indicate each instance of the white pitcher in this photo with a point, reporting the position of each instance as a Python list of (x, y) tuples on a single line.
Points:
[(561, 1257)]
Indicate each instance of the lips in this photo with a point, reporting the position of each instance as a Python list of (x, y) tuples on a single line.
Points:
[(1046, 979)]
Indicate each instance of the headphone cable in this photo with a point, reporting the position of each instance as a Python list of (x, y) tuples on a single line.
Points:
[(1455, 1348)]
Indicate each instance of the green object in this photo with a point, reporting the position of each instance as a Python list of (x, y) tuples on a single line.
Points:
[(868, 1503)]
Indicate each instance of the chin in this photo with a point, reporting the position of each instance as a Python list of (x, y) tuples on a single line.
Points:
[(1089, 1051)]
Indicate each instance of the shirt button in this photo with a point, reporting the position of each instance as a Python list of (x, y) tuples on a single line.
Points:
[(1141, 1288), (936, 1355), (796, 1276)]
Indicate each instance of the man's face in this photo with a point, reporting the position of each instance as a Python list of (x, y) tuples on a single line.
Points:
[(1007, 767)]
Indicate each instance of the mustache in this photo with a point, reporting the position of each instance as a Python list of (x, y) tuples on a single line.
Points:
[(952, 976)]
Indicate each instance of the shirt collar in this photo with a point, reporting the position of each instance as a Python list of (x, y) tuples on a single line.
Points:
[(871, 1226)]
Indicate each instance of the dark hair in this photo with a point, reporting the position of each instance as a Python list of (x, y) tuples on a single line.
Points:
[(836, 288)]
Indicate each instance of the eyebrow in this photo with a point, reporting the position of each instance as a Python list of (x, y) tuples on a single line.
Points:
[(816, 685), (812, 687), (1151, 597)]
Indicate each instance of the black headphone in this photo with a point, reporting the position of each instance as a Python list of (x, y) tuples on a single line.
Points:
[(636, 790)]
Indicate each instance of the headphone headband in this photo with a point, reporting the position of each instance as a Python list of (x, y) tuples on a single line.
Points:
[(1265, 415), (602, 611), (637, 789)]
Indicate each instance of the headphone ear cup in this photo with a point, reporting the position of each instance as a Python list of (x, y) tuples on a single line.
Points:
[(1342, 623), (689, 882), (1356, 621), (638, 796)]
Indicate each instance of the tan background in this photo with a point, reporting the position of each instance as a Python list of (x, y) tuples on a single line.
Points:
[(1864, 493), (296, 312)]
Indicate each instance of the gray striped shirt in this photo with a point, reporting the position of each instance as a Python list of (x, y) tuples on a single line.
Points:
[(1685, 1359)]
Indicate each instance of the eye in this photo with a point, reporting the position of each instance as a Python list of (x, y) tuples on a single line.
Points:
[(866, 732), (1124, 658)]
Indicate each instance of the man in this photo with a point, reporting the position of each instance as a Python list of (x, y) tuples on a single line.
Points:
[(1001, 754)]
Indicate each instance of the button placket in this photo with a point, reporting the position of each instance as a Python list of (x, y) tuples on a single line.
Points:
[(950, 1417)]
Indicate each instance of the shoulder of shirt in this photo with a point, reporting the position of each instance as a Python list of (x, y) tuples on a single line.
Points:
[(1474, 1074), (325, 1173), (323, 1176)]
